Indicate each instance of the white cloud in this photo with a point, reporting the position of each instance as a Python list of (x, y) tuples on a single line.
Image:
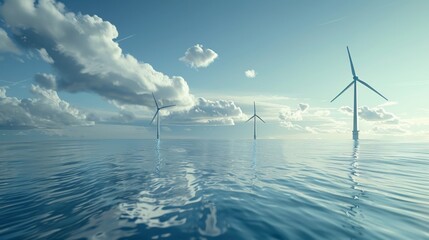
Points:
[(211, 112), (388, 103), (288, 116), (198, 57), (316, 121), (45, 56), (371, 114), (6, 44), (322, 113), (375, 114), (346, 110), (380, 121), (311, 130), (394, 130), (45, 80), (46, 110), (82, 50), (2, 92), (123, 117), (87, 58), (251, 73)]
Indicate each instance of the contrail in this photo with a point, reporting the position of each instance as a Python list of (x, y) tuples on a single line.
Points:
[(15, 83), (331, 21), (125, 38)]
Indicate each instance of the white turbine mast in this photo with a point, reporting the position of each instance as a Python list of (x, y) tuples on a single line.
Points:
[(355, 108)]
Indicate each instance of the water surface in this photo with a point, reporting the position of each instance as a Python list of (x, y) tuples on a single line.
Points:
[(198, 189)]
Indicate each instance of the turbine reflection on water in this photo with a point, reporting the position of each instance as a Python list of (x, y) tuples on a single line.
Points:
[(254, 161), (354, 176), (354, 212), (158, 154)]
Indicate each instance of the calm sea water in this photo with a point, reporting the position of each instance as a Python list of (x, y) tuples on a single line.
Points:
[(197, 189)]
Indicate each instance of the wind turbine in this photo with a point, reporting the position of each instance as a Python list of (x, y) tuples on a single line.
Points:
[(157, 115), (254, 120), (354, 82)]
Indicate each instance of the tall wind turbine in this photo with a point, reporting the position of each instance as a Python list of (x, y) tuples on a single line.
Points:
[(157, 113), (354, 83), (254, 120)]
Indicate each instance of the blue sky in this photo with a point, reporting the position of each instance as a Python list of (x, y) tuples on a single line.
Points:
[(80, 69)]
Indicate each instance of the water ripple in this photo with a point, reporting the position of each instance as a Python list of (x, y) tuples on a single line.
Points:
[(131, 189)]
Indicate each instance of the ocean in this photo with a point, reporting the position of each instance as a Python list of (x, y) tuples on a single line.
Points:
[(214, 189)]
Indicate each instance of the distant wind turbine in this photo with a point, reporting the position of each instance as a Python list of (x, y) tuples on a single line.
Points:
[(254, 120), (157, 113), (354, 82)]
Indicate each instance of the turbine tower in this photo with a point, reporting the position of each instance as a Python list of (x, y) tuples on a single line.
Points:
[(157, 113), (355, 108), (254, 120)]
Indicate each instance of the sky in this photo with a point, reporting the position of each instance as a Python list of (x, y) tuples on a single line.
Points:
[(81, 69)]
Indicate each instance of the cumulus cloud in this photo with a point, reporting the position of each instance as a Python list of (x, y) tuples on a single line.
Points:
[(375, 114), (198, 57), (382, 122), (86, 57), (45, 56), (46, 110), (371, 114), (288, 116), (2, 92), (251, 73), (346, 109), (220, 112), (83, 51), (45, 80), (6, 44)]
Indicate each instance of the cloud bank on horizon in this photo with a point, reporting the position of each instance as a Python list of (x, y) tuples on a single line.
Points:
[(385, 122), (82, 50), (47, 110)]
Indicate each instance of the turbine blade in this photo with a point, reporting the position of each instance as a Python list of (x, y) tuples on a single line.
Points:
[(260, 118), (368, 86), (156, 103), (154, 116), (343, 91), (250, 118), (167, 106), (351, 63)]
